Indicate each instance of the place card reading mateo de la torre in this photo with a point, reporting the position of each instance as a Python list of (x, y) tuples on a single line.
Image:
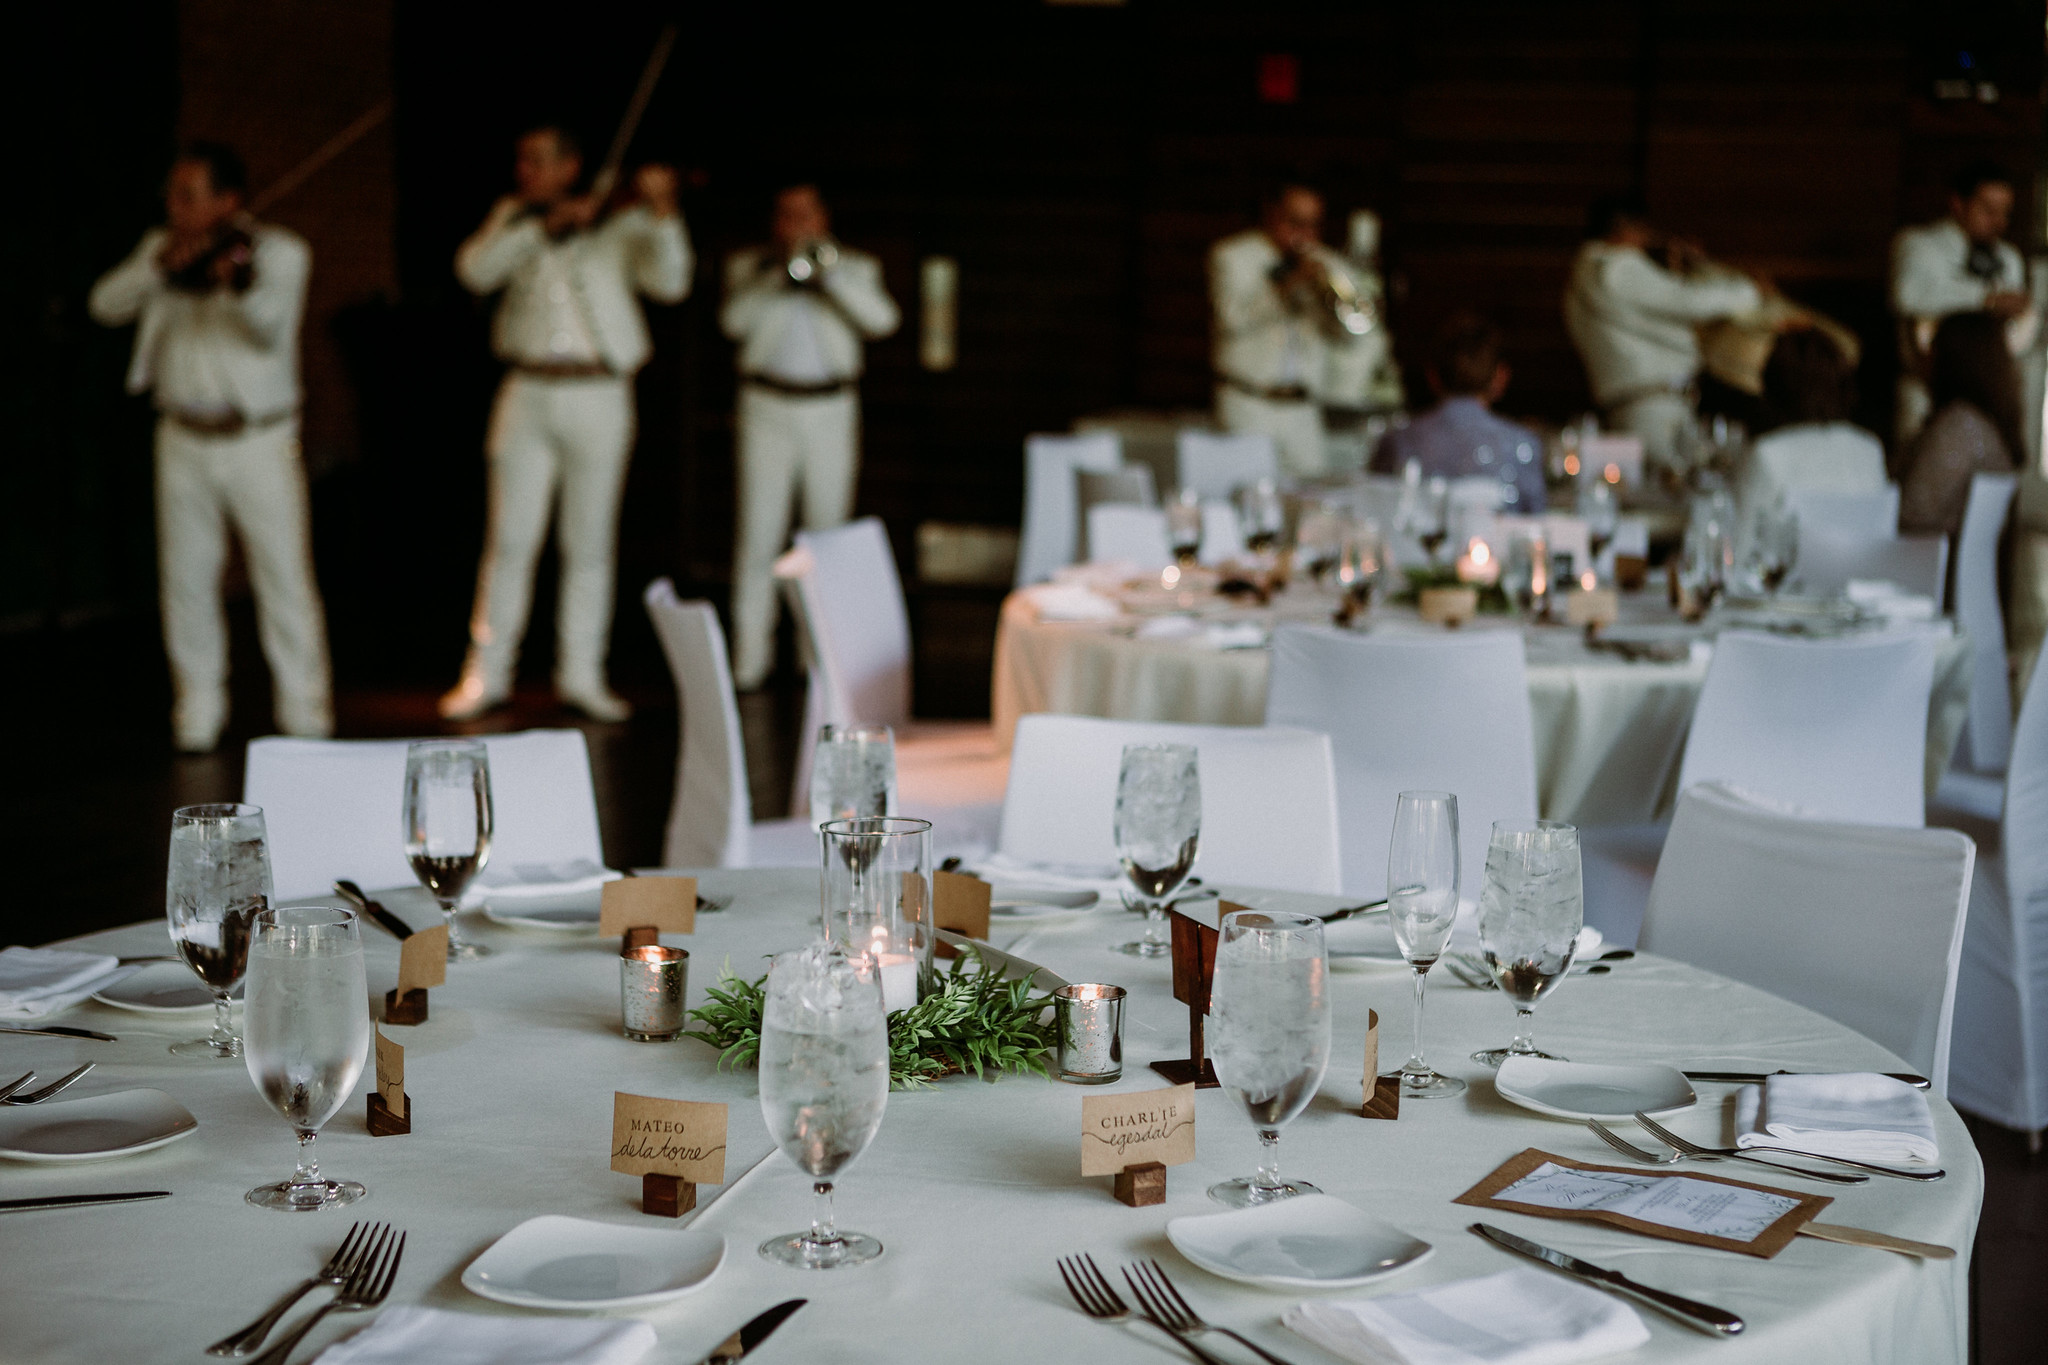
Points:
[(672, 1145)]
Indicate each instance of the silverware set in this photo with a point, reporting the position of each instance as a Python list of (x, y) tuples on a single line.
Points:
[(360, 1272), (1159, 1304), (1683, 1149), (11, 1094)]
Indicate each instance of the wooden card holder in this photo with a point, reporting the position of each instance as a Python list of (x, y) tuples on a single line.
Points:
[(639, 936), (1142, 1184), (667, 1196), (1382, 1093), (409, 1008), (1194, 967), (383, 1122)]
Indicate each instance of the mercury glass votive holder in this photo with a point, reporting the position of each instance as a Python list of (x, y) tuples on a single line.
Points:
[(1089, 1019), (652, 980)]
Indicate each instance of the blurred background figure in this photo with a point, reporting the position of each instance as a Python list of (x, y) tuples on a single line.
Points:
[(1461, 437), (571, 336), (1975, 427), (1957, 264), (1633, 322), (218, 298), (1281, 300), (799, 308), (1807, 440)]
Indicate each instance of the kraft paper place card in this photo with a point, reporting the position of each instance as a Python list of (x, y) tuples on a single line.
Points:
[(681, 1138), (390, 1073), (1704, 1210), (423, 959), (962, 903), (1146, 1125), (669, 904)]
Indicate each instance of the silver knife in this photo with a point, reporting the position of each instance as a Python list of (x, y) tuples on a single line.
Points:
[(61, 1031), (1726, 1323), (753, 1334), (1759, 1077), (72, 1201)]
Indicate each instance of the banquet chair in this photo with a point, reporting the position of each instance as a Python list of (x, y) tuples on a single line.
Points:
[(1988, 735), (1269, 801), (1051, 532), (1441, 712), (1871, 515), (1126, 486), (1216, 464), (1835, 727), (1862, 923), (1222, 536), (710, 822), (1121, 533), (2000, 1066), (1829, 562), (1830, 457), (332, 807)]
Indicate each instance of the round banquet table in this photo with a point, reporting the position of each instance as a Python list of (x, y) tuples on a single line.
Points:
[(1609, 732), (974, 1188)]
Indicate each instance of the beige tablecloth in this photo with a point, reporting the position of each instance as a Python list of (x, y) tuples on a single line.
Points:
[(1609, 733)]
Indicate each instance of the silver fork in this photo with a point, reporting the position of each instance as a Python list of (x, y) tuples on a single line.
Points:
[(1742, 1154), (335, 1272), (1091, 1289), (1165, 1306), (38, 1096), (1679, 1154), (1627, 1148), (18, 1083), (1698, 1153), (365, 1288)]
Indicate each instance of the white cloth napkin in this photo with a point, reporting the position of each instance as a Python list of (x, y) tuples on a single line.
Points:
[(1522, 1316), (1859, 1114), (413, 1336), (1072, 602), (539, 881), (1009, 874), (36, 983)]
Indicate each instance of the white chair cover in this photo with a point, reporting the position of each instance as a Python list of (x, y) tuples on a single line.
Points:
[(1269, 801), (2000, 1066), (1216, 464), (1989, 732), (1846, 514), (1828, 562), (1821, 457), (332, 808), (1837, 728), (1440, 712), (1051, 533), (711, 817), (1130, 484), (859, 624), (1861, 923), (1121, 533), (1222, 536)]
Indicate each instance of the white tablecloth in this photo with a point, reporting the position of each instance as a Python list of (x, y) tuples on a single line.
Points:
[(973, 1188), (1609, 733)]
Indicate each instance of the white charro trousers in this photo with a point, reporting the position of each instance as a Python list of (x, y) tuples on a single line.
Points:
[(1296, 428), (254, 483), (786, 444), (570, 437)]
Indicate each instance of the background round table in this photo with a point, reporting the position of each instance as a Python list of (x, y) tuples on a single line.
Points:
[(974, 1188)]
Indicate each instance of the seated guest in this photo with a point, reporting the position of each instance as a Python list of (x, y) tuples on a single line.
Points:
[(1461, 437), (1975, 428), (1809, 387)]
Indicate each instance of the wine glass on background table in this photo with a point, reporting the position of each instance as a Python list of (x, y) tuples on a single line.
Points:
[(1422, 903), (1158, 831), (308, 1024), (1530, 914), (824, 1087), (1263, 516), (1184, 528), (853, 773), (1269, 1034), (219, 881), (1602, 514), (1360, 560), (448, 825)]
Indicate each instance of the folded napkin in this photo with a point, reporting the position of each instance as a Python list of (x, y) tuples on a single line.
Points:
[(36, 983), (1014, 874), (411, 1336), (1072, 602), (1522, 1316), (1214, 634), (1889, 600), (539, 881), (1859, 1114)]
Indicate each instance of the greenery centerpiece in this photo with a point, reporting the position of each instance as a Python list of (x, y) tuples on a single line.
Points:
[(973, 1021), (1422, 578)]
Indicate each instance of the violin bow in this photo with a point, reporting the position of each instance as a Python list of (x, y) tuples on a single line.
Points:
[(650, 75), (327, 151)]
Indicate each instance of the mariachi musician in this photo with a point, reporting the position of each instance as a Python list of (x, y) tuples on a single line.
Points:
[(219, 297), (571, 335)]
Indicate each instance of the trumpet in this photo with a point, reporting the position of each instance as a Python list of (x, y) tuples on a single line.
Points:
[(809, 262), (1339, 306)]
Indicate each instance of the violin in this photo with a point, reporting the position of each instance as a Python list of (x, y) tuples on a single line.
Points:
[(233, 243)]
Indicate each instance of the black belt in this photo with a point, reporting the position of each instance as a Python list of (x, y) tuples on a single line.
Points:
[(791, 389), (233, 422), (1279, 393), (564, 369)]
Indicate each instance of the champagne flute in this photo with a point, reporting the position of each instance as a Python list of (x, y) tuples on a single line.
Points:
[(1269, 1034), (1184, 528), (824, 1085), (1358, 571), (1158, 831), (219, 882), (1422, 902), (1530, 914), (1433, 516), (1601, 515), (308, 1020), (1263, 516), (853, 773), (448, 825)]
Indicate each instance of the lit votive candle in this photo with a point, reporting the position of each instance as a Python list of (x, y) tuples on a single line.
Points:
[(1478, 564), (899, 980), (652, 982), (1089, 1021)]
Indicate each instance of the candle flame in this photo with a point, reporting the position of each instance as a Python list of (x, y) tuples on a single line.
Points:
[(1612, 473), (1589, 580), (1169, 576), (1571, 466), (1480, 551)]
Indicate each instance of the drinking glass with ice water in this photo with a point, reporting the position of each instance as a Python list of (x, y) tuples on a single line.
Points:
[(1422, 903), (1269, 1034), (308, 1025), (1158, 831), (853, 773), (447, 823), (1530, 914), (824, 1085), (219, 881)]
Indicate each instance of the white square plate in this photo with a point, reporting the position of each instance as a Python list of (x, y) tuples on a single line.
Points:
[(582, 1266), (1312, 1241)]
